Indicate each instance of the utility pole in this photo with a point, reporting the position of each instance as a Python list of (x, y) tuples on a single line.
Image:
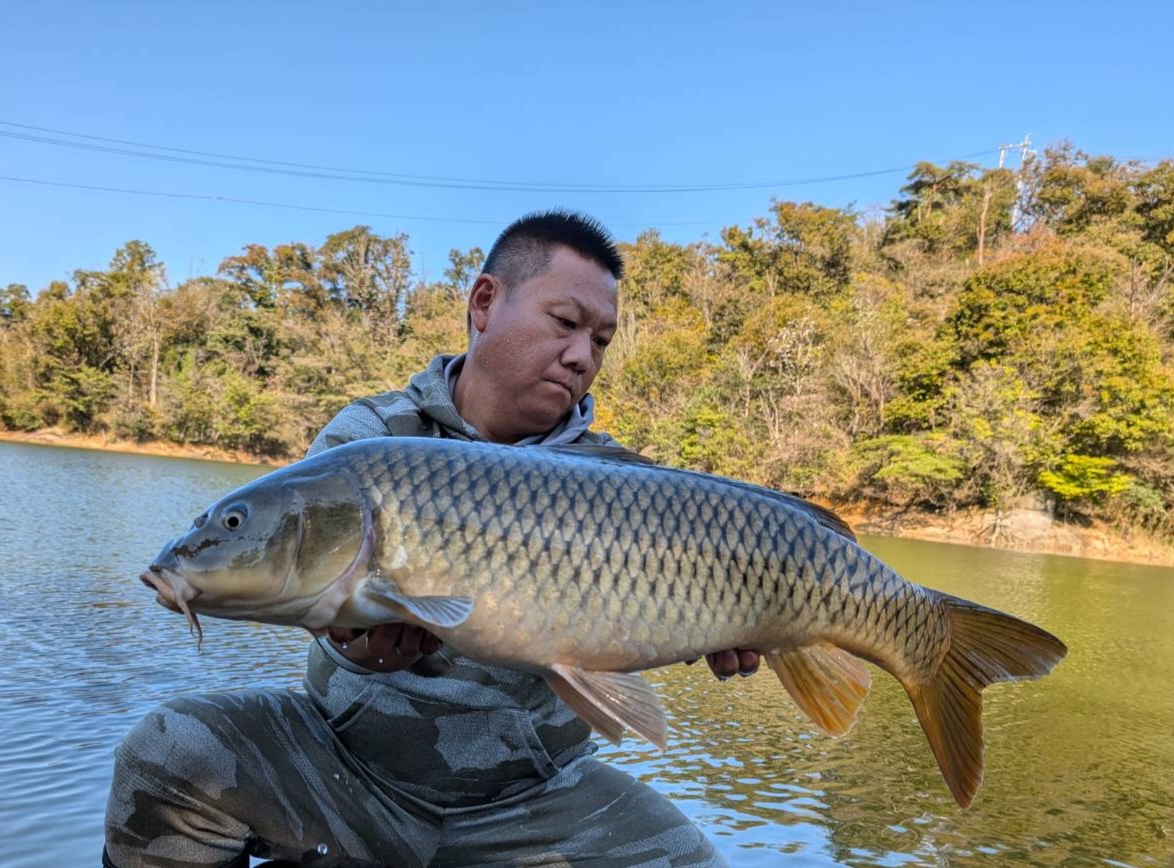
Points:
[(1024, 149), (1024, 152)]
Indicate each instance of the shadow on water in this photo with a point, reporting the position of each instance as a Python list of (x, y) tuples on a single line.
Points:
[(1079, 766)]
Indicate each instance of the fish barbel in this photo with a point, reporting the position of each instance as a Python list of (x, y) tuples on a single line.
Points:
[(584, 565)]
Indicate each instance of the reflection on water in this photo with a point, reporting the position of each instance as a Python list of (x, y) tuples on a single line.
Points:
[(1079, 766)]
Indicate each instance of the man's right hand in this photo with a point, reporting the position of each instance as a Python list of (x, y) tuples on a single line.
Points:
[(385, 647)]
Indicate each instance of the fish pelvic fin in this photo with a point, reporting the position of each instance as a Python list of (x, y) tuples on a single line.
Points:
[(827, 683), (610, 701), (427, 612), (986, 647)]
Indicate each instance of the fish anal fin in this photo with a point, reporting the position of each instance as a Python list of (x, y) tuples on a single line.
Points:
[(610, 701), (430, 611), (986, 647), (827, 683)]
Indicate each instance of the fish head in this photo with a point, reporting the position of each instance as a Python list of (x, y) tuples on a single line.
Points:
[(270, 551)]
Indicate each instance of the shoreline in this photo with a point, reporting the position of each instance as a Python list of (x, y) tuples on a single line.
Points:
[(1027, 531), (1018, 530), (157, 448)]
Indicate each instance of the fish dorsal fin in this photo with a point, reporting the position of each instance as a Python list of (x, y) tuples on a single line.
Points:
[(610, 701), (436, 611), (821, 514), (827, 683), (626, 457), (611, 454)]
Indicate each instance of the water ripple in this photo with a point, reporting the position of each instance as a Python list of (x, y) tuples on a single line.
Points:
[(1080, 766)]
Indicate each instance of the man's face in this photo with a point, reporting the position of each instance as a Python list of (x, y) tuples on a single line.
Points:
[(542, 344)]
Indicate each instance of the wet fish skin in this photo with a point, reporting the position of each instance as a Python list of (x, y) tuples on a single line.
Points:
[(676, 564), (581, 564)]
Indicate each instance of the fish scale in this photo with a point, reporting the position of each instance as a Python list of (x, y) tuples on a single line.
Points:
[(585, 565), (660, 581)]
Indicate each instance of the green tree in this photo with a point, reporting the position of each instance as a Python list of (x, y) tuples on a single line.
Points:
[(905, 470), (806, 249), (1155, 204), (1027, 295), (1085, 477), (995, 418), (930, 356), (257, 272), (953, 209), (862, 350), (462, 270), (655, 271), (14, 304), (371, 275), (1070, 191)]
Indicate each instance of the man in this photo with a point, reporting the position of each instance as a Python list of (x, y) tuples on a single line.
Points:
[(400, 752)]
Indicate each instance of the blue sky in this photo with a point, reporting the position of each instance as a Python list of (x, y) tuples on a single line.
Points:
[(588, 94)]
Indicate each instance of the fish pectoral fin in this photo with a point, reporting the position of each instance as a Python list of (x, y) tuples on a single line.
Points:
[(827, 683), (610, 701), (439, 611)]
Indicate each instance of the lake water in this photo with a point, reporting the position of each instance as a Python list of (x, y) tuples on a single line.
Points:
[(1079, 765)]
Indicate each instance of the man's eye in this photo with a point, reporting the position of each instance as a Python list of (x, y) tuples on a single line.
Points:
[(566, 323), (602, 343)]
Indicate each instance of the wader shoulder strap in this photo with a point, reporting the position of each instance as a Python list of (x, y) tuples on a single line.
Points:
[(402, 418)]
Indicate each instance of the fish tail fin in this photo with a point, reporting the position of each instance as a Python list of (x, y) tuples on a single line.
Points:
[(986, 647)]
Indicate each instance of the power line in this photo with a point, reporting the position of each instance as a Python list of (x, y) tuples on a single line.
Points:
[(278, 167), (249, 159), (233, 200), (236, 200)]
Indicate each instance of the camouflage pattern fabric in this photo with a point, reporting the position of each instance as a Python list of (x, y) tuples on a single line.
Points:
[(425, 409), (449, 763)]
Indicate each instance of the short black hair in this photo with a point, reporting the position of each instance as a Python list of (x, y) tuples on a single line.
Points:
[(524, 248)]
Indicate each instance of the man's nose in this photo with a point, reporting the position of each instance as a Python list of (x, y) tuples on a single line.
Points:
[(578, 355)]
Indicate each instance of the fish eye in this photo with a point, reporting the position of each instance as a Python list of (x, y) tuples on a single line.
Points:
[(235, 517)]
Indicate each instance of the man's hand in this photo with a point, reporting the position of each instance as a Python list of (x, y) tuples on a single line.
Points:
[(736, 661), (385, 647)]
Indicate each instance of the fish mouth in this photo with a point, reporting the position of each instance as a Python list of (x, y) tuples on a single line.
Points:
[(174, 592)]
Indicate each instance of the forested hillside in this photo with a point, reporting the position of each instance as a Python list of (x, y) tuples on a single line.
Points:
[(992, 334)]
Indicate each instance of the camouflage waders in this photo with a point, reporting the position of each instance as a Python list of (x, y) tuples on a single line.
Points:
[(303, 777)]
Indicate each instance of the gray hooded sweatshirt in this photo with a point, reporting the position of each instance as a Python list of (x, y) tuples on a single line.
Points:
[(449, 730)]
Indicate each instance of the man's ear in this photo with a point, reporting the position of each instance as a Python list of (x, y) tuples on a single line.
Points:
[(486, 290)]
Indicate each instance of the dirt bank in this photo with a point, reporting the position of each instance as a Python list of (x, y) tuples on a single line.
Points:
[(57, 437), (1023, 530)]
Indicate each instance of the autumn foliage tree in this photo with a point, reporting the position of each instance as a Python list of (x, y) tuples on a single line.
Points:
[(994, 336)]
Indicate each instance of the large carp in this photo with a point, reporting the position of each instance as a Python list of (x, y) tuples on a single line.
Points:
[(586, 564)]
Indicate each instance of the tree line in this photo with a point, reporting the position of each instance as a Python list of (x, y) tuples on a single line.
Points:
[(991, 336)]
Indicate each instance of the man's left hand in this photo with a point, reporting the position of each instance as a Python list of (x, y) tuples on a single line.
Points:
[(385, 647), (735, 661)]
